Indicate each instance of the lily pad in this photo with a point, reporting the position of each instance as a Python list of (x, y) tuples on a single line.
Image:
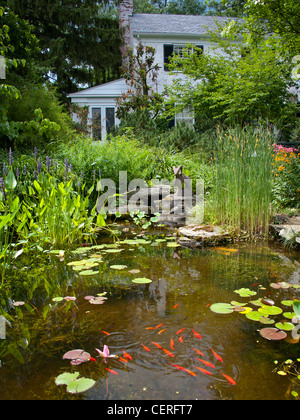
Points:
[(245, 292), (118, 267), (74, 385), (222, 308), (173, 245), (99, 300), (142, 280), (272, 333), (88, 272), (287, 302), (58, 299), (77, 356), (289, 315), (286, 326), (134, 271), (270, 310), (254, 315)]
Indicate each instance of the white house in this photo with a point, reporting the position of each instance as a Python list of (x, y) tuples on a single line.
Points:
[(167, 34)]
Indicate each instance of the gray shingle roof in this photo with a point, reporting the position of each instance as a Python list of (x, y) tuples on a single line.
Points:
[(176, 24)]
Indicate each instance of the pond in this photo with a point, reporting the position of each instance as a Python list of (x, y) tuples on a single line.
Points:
[(171, 345)]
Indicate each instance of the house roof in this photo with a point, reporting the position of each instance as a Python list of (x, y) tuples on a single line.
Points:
[(174, 24), (109, 90)]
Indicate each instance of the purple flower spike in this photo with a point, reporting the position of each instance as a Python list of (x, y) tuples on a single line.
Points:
[(35, 153), (4, 169), (25, 170), (10, 157), (48, 163)]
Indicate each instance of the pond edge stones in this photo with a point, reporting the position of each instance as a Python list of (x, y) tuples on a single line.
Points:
[(198, 235)]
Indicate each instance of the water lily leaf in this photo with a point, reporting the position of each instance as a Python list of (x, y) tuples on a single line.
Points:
[(173, 245), (256, 302), (245, 292), (280, 285), (113, 250), (118, 267), (286, 326), (289, 315), (222, 308), (88, 272), (78, 356), (272, 333), (134, 271), (266, 320), (268, 302), (66, 378), (270, 310), (235, 303), (142, 280), (254, 315), (287, 302), (246, 310), (80, 385), (99, 300)]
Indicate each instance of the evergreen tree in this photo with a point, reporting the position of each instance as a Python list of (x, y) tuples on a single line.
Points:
[(79, 40)]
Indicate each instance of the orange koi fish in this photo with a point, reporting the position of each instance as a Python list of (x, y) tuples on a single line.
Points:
[(217, 356), (146, 348), (123, 360), (168, 352), (175, 306), (111, 371), (161, 331), (156, 344), (199, 352), (126, 355), (184, 369), (203, 370), (150, 328), (159, 325), (181, 339), (205, 362), (94, 360), (179, 331), (172, 343), (229, 379), (197, 335), (105, 332)]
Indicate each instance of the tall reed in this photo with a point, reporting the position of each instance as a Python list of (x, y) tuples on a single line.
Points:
[(241, 197)]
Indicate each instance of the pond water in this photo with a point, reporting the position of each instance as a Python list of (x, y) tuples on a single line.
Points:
[(185, 282)]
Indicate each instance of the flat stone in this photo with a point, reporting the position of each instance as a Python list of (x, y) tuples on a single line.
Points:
[(204, 233)]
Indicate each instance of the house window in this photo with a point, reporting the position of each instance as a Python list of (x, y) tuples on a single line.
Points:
[(110, 119), (96, 123), (185, 116), (176, 49)]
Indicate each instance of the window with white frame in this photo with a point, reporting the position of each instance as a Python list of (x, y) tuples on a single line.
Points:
[(185, 116)]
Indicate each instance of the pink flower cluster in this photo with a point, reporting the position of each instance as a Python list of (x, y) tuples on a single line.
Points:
[(278, 148)]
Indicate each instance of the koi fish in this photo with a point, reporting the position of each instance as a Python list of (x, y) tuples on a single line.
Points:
[(172, 343), (123, 360), (208, 305), (181, 339), (167, 352), (150, 328), (229, 379), (156, 344), (126, 355), (146, 348), (217, 356), (179, 331), (111, 371), (197, 335), (199, 352), (93, 360), (105, 332), (161, 331), (184, 369), (203, 370), (205, 362), (175, 306), (159, 325)]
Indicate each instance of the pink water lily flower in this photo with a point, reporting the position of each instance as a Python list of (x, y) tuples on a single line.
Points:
[(105, 352)]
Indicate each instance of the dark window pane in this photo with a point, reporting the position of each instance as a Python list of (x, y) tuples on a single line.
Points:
[(110, 119), (96, 123), (168, 51)]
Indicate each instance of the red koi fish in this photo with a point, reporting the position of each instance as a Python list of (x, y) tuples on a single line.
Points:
[(184, 369), (205, 362), (150, 328), (156, 344), (93, 360), (175, 306), (111, 371), (161, 331), (199, 352), (229, 379), (105, 332), (168, 352), (159, 325), (179, 331), (181, 339), (172, 343), (146, 348), (217, 356), (203, 370), (123, 360), (197, 335), (126, 355)]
